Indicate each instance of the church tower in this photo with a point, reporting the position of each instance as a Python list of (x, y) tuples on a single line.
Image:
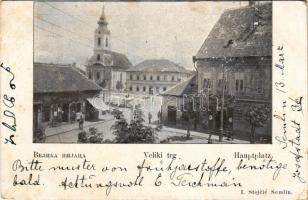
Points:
[(102, 35), (107, 68)]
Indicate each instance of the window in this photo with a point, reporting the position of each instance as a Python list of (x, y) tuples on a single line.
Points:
[(165, 88), (98, 58), (239, 81), (207, 83), (107, 42), (150, 90), (158, 78), (36, 112), (259, 85), (151, 78), (131, 77), (98, 75), (239, 85), (130, 88), (258, 82), (144, 88), (145, 77), (137, 88), (138, 77), (220, 83), (165, 77), (99, 41), (172, 79), (46, 110), (78, 107), (157, 88), (90, 75)]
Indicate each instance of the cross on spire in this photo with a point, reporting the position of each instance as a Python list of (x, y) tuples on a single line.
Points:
[(103, 17)]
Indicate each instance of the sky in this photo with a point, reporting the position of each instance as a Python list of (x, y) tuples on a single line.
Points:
[(64, 31)]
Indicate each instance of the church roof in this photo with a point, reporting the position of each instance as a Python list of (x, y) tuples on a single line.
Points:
[(187, 87), (50, 78), (113, 59), (236, 35), (158, 65)]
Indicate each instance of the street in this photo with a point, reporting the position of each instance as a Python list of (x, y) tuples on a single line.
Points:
[(68, 133)]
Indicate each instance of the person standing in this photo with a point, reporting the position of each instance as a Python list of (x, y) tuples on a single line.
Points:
[(150, 117), (73, 116), (81, 121), (159, 117)]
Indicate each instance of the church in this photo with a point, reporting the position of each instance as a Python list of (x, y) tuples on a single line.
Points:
[(107, 67)]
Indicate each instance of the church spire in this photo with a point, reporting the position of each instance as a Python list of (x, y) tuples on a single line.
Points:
[(102, 19), (102, 35)]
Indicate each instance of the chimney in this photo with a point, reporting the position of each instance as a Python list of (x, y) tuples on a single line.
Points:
[(251, 3)]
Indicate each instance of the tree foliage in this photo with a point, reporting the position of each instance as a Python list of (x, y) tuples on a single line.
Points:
[(119, 85), (135, 131), (256, 116), (117, 114), (103, 84), (92, 137), (191, 112)]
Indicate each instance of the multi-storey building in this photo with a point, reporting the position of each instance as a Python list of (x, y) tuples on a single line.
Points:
[(236, 58), (154, 76), (106, 67)]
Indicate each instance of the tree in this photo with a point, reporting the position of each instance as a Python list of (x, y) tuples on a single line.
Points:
[(119, 85), (92, 137), (103, 84), (135, 131), (256, 116), (191, 112), (117, 114)]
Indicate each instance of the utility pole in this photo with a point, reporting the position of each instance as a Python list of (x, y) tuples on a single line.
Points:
[(222, 105)]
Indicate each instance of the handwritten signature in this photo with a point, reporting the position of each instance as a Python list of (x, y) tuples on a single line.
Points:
[(290, 138)]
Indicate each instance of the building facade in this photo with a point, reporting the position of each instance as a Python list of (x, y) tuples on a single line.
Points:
[(106, 67), (154, 76), (235, 61), (60, 92), (174, 100)]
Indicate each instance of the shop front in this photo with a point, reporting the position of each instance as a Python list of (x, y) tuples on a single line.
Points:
[(57, 109), (59, 96)]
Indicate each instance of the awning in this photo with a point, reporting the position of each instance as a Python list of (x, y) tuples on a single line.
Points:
[(98, 103)]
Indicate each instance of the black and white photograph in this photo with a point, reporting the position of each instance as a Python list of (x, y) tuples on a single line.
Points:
[(152, 72)]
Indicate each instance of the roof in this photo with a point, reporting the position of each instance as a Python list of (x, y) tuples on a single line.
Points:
[(50, 78), (187, 86), (158, 65), (80, 70), (236, 35), (113, 59)]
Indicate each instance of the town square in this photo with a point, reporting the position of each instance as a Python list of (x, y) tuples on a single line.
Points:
[(106, 74)]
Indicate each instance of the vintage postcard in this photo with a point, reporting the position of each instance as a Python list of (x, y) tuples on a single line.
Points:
[(153, 99)]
